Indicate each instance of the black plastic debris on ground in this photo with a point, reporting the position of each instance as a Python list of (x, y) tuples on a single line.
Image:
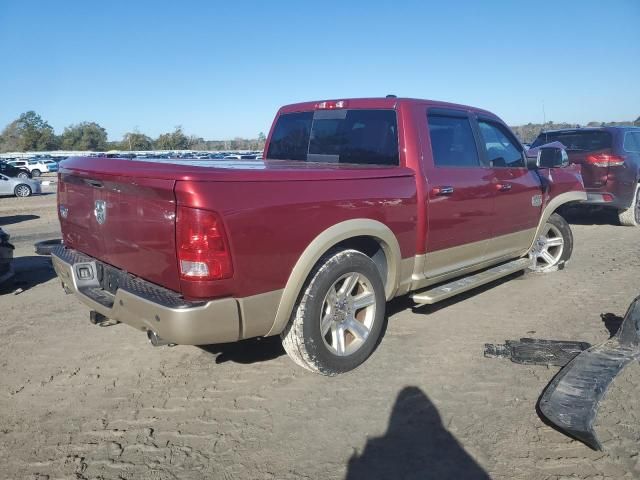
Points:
[(535, 351), (571, 400)]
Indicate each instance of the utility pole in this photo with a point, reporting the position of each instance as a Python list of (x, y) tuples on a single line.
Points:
[(544, 114)]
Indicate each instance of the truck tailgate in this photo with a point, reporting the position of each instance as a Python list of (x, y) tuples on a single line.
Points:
[(123, 221)]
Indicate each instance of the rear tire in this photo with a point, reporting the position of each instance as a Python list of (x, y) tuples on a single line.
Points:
[(631, 216), (23, 175), (553, 248), (338, 320), (22, 190)]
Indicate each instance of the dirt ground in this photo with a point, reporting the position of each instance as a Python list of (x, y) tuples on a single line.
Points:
[(81, 402)]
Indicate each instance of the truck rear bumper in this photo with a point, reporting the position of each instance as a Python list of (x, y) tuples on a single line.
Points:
[(146, 306)]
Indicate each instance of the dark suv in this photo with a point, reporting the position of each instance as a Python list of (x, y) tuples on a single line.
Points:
[(610, 159), (11, 171)]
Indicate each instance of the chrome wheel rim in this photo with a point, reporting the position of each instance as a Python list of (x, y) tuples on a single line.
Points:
[(347, 315), (547, 249), (22, 191)]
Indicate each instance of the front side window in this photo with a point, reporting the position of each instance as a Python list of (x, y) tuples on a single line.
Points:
[(337, 136), (501, 149), (452, 142)]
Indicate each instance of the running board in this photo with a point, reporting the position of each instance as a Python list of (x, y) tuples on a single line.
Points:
[(464, 284)]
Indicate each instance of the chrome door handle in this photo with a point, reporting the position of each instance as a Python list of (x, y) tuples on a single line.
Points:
[(444, 190), (503, 187)]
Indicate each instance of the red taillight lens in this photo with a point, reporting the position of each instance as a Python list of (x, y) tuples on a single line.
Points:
[(203, 252), (605, 160)]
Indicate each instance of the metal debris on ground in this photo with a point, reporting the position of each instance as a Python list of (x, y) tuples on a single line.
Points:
[(535, 351)]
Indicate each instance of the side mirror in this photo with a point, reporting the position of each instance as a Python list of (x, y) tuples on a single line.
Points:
[(552, 157)]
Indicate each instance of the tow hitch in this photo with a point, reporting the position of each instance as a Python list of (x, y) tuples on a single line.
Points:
[(572, 398)]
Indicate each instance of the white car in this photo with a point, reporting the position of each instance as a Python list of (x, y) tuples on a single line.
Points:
[(20, 187), (36, 167)]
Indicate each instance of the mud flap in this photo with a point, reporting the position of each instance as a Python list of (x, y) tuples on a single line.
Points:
[(572, 398)]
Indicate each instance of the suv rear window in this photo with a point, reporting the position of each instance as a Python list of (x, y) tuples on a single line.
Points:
[(337, 136), (585, 140)]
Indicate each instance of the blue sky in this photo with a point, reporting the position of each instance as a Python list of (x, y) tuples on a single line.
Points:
[(221, 69)]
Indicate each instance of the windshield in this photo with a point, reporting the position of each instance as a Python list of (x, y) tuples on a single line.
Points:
[(337, 136)]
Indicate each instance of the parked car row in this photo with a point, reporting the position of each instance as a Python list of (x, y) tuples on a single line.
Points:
[(16, 179), (35, 166), (254, 155)]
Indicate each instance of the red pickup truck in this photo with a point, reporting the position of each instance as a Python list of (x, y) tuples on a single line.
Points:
[(357, 201)]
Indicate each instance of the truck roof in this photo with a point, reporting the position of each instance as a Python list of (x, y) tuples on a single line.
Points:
[(379, 102)]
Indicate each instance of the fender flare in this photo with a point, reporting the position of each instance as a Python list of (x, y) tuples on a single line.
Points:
[(323, 243), (553, 205)]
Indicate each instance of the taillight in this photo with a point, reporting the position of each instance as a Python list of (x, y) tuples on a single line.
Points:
[(201, 243), (605, 160)]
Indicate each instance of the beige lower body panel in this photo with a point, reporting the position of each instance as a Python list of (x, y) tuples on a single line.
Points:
[(442, 265)]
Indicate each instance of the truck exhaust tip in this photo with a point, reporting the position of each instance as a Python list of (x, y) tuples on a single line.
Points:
[(155, 340)]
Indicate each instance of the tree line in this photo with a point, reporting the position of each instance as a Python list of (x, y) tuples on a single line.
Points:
[(31, 133)]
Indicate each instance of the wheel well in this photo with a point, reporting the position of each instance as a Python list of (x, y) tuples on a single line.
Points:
[(372, 248)]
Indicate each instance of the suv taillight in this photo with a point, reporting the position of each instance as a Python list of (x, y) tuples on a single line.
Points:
[(201, 243), (605, 160)]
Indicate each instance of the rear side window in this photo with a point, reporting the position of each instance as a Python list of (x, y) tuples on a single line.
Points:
[(452, 142), (337, 136), (577, 140), (632, 142), (501, 149)]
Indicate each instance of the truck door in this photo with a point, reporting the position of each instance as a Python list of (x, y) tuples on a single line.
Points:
[(459, 193), (518, 201)]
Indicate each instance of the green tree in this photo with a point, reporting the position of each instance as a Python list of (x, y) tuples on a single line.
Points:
[(136, 141), (637, 122), (175, 140), (84, 136), (28, 133)]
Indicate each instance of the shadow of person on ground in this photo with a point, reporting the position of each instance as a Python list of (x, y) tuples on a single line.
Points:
[(415, 446), (248, 351), (29, 272), (11, 219)]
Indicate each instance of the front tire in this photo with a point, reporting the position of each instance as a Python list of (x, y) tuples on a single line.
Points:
[(23, 175), (553, 247), (22, 190), (338, 320), (631, 216), (36, 173)]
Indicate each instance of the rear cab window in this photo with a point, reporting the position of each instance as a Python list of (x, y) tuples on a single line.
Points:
[(577, 140), (350, 136)]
